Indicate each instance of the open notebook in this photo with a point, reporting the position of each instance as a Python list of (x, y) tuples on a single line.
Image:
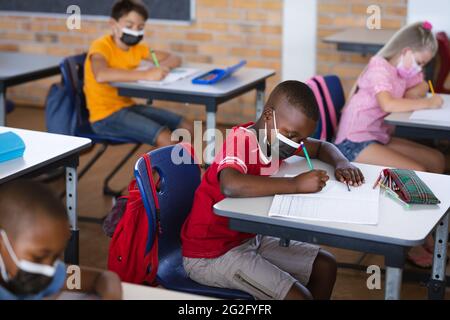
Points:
[(334, 204), (434, 115), (174, 75)]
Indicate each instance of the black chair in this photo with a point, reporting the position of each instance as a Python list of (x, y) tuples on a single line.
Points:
[(72, 70)]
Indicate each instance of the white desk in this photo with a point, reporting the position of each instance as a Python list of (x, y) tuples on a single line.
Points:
[(137, 292), (45, 151), (243, 81), (131, 291), (17, 68), (361, 40), (398, 228), (419, 128)]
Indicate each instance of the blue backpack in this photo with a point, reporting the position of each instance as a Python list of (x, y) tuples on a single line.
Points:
[(60, 113), (65, 100)]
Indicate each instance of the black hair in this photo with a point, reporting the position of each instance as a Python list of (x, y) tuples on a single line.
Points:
[(298, 95), (23, 201), (124, 7)]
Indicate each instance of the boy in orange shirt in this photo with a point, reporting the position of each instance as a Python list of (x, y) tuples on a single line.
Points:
[(115, 57)]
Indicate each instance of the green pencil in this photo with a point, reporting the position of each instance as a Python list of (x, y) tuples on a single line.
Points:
[(307, 156), (155, 60)]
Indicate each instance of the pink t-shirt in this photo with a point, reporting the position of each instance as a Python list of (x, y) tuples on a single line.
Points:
[(362, 118)]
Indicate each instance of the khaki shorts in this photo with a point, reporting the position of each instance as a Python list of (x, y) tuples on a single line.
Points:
[(259, 267)]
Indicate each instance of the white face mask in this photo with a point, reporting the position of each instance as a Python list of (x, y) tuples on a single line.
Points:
[(24, 265), (408, 72), (286, 147)]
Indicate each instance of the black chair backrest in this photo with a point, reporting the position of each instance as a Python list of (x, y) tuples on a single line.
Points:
[(72, 70)]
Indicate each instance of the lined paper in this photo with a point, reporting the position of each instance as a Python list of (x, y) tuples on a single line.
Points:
[(334, 204)]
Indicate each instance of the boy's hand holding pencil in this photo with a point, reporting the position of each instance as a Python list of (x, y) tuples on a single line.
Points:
[(311, 181), (156, 74)]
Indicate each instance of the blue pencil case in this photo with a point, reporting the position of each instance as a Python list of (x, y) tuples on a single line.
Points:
[(216, 75), (11, 146)]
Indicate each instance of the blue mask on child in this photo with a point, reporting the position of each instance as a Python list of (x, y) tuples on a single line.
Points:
[(32, 281)]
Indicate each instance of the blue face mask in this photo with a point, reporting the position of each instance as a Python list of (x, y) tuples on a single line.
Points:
[(33, 281)]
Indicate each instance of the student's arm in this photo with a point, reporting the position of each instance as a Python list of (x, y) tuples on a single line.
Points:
[(328, 153), (235, 184), (418, 91), (105, 284), (103, 73), (166, 59), (390, 104)]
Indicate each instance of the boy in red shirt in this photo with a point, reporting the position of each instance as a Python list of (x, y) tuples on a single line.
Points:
[(215, 255)]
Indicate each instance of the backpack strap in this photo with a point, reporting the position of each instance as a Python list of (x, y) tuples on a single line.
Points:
[(154, 262), (329, 125), (315, 89), (329, 102)]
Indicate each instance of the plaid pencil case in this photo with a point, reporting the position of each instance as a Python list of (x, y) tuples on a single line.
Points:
[(409, 187)]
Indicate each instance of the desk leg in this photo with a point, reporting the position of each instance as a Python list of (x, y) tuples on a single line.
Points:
[(436, 286), (211, 110), (260, 100), (394, 259), (71, 253), (393, 283), (2, 105)]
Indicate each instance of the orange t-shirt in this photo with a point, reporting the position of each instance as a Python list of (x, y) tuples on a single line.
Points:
[(102, 99)]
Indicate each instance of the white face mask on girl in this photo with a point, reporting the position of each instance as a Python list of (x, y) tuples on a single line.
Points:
[(410, 72)]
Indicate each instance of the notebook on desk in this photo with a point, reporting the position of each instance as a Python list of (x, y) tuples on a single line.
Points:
[(333, 204), (434, 115), (174, 75)]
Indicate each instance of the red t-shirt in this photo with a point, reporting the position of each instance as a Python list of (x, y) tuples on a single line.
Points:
[(205, 234)]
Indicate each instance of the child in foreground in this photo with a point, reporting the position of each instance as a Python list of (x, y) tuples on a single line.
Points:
[(34, 231), (215, 255)]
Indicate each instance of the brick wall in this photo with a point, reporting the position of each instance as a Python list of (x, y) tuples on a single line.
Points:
[(337, 15), (224, 32)]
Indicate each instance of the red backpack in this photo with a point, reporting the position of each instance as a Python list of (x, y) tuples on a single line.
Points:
[(127, 255)]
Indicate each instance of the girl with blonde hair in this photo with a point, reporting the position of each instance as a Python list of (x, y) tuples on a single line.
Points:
[(392, 82)]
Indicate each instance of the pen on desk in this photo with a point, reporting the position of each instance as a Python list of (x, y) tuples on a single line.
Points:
[(348, 187), (307, 156), (155, 59), (431, 87)]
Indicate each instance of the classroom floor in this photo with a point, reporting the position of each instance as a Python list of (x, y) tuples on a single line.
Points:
[(351, 284)]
